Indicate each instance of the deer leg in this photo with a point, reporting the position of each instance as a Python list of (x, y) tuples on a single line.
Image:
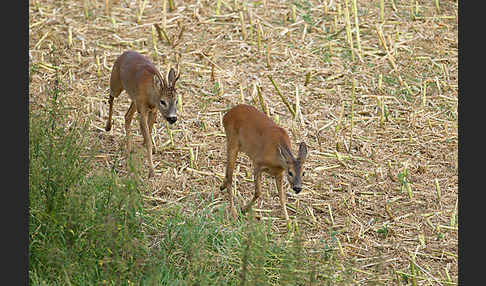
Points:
[(232, 153), (128, 122), (113, 94), (282, 194), (257, 174), (143, 118), (152, 115)]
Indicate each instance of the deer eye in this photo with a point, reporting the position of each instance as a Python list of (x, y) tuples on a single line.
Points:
[(163, 103), (303, 173), (290, 174)]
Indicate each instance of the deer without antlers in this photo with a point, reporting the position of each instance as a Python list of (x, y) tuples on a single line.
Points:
[(148, 91), (268, 146)]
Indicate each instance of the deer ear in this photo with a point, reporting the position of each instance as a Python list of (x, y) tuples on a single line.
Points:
[(172, 77), (285, 154), (302, 152)]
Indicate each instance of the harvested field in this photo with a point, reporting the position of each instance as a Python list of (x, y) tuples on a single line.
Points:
[(373, 92)]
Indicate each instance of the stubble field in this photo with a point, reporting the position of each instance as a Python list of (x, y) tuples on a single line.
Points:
[(373, 95)]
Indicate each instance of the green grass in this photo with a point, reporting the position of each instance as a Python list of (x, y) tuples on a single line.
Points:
[(83, 227), (91, 228)]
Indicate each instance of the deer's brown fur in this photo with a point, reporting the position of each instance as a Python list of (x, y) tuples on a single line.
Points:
[(268, 146), (148, 91)]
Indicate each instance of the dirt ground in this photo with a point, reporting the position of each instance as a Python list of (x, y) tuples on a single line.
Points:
[(382, 168)]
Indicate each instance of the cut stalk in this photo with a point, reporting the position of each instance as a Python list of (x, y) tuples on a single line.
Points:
[(140, 11), (181, 32), (330, 214), (169, 132), (154, 44), (104, 63), (71, 77), (397, 276), (179, 102), (259, 36), (389, 212), (254, 94), (453, 216), (242, 97), (409, 190), (98, 72), (335, 24), (412, 13), (191, 158), (340, 247), (304, 32), (347, 22), (437, 6), (162, 34), (382, 11), (164, 14), (243, 28), (70, 37), (212, 72), (352, 113), (171, 5), (438, 84), (348, 28), (448, 275), (382, 111), (113, 21), (424, 92), (453, 219), (250, 22), (220, 87), (268, 55), (307, 78), (282, 97), (437, 188), (393, 5), (86, 11), (262, 101), (340, 121), (412, 270), (356, 24), (218, 7), (298, 113), (293, 15), (390, 58)]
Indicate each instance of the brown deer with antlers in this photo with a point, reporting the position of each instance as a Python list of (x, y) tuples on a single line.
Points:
[(149, 93), (268, 146)]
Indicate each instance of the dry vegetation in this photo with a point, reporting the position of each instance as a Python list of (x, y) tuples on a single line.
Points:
[(378, 111)]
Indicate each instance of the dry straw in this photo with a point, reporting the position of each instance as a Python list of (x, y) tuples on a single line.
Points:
[(406, 111), (348, 28), (356, 26), (282, 97)]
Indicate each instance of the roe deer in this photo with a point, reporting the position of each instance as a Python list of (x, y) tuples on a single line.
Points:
[(268, 146), (148, 91)]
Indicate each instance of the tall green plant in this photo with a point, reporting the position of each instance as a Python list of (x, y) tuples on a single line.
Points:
[(84, 229)]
